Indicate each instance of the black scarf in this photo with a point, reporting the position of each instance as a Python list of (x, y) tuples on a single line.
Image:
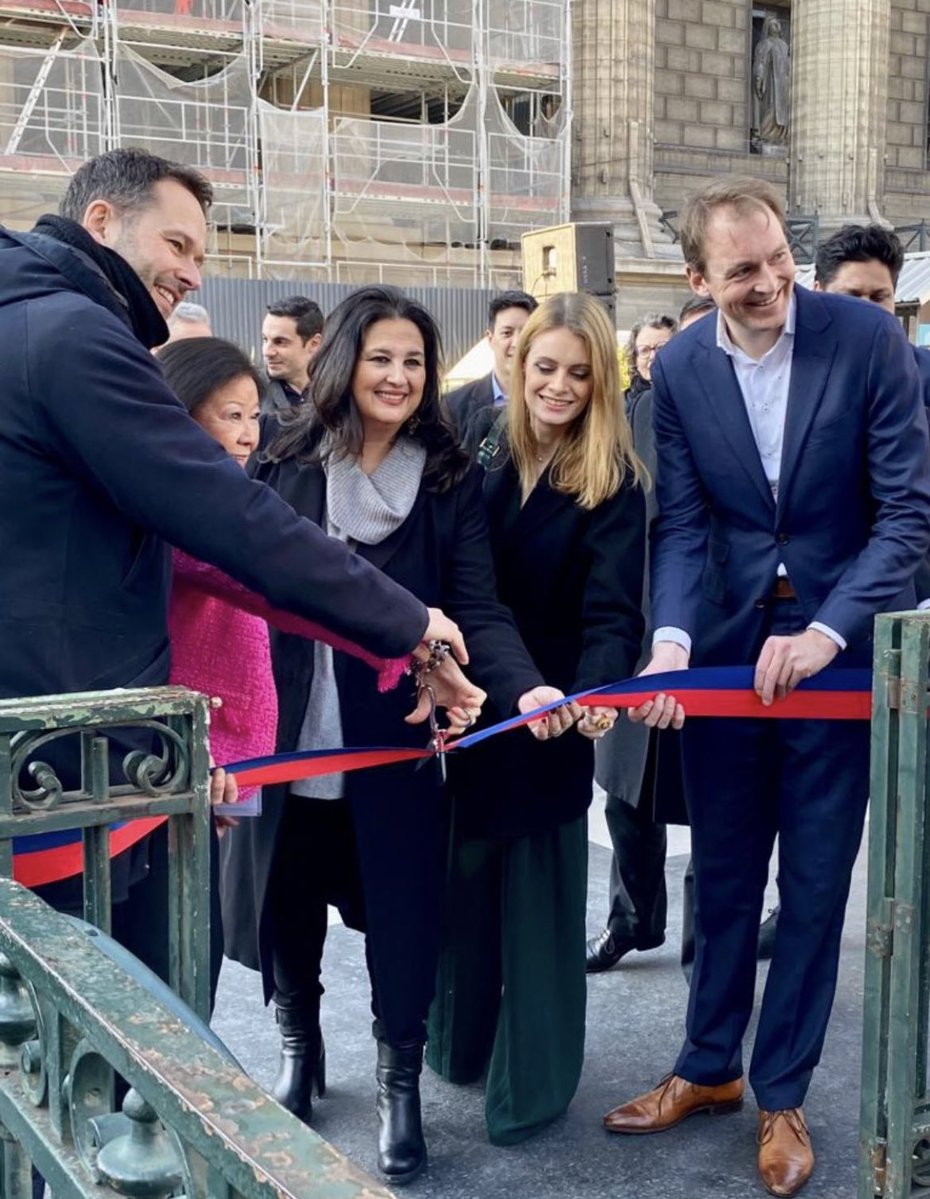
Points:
[(130, 293)]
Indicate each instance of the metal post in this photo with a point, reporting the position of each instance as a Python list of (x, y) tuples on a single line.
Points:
[(895, 1120)]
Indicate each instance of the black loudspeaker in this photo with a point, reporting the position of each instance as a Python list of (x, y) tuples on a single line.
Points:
[(609, 300), (594, 258)]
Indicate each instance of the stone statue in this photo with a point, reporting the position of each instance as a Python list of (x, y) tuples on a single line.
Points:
[(771, 83)]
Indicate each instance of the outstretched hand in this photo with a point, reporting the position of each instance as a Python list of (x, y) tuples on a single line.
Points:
[(663, 711), (554, 723), (223, 789), (461, 698)]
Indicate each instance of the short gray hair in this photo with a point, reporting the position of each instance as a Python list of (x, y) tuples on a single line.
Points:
[(125, 179), (190, 313)]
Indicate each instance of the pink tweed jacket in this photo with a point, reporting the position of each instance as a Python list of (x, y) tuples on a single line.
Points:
[(219, 646)]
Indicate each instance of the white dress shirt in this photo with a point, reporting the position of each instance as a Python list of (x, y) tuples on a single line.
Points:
[(764, 383)]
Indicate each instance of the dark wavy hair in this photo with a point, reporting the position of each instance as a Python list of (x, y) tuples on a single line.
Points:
[(331, 406), (196, 367)]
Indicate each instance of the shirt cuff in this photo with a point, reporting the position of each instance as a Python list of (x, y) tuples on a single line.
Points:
[(828, 632), (669, 633), (923, 605)]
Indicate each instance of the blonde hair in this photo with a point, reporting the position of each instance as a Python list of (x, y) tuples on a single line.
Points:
[(596, 453)]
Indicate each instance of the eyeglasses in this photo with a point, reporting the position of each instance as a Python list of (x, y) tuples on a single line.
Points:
[(647, 351)]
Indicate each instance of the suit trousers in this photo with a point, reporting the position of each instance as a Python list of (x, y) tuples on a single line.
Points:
[(511, 989), (638, 899), (746, 781)]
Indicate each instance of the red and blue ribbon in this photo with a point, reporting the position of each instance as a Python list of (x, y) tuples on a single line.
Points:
[(724, 691)]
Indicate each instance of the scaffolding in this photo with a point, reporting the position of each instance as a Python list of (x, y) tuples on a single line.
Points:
[(411, 141)]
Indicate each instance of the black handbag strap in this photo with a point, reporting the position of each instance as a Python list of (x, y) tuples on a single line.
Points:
[(491, 444)]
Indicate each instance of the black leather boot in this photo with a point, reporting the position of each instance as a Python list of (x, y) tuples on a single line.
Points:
[(303, 1060), (401, 1148)]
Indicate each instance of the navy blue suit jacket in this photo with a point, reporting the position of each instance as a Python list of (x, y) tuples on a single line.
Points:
[(852, 519)]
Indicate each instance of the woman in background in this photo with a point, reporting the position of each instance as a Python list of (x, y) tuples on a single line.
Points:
[(647, 337), (566, 515)]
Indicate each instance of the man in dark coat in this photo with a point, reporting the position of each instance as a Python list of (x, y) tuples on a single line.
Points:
[(508, 312), (794, 505), (865, 261), (101, 467), (291, 334)]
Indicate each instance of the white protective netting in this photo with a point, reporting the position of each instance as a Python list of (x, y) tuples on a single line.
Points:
[(205, 124), (294, 177), (398, 183), (520, 32), (51, 110), (204, 15), (292, 20), (442, 29), (527, 177)]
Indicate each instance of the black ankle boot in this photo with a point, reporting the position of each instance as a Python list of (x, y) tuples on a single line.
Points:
[(303, 1061), (401, 1148)]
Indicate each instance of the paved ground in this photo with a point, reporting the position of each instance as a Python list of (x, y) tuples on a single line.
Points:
[(635, 1015)]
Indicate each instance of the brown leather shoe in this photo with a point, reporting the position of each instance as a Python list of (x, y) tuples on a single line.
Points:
[(786, 1159), (672, 1101)]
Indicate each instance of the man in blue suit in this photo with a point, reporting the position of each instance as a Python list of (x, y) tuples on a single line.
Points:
[(794, 498)]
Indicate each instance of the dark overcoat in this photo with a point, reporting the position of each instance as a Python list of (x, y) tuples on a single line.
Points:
[(441, 553), (573, 580), (464, 403)]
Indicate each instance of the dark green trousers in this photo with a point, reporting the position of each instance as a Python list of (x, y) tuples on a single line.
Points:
[(511, 989)]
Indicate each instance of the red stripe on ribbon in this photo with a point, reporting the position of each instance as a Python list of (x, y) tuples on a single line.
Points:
[(340, 763), (40, 866)]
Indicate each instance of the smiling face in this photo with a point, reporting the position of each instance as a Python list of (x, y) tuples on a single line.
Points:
[(557, 381), (287, 356), (230, 415), (389, 377), (749, 273), (503, 338), (164, 242), (869, 280)]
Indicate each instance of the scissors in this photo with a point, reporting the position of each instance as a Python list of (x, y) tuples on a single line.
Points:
[(437, 741)]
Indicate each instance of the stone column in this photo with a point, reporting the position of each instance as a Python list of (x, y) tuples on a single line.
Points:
[(612, 130), (839, 90)]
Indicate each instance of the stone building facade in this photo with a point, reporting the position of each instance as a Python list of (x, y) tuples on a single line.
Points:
[(683, 104)]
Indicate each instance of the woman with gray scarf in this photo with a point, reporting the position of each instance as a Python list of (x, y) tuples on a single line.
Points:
[(371, 461)]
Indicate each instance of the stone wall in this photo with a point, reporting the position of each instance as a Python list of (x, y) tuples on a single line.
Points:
[(907, 181), (702, 97)]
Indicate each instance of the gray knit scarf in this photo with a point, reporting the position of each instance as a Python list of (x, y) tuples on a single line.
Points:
[(368, 508)]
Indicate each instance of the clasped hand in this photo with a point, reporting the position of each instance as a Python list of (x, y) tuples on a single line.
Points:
[(783, 663)]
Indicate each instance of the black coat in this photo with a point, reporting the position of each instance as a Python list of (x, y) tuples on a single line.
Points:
[(441, 553), (100, 467), (465, 402), (573, 580)]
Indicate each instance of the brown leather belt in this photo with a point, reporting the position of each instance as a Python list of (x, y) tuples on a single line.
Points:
[(782, 588)]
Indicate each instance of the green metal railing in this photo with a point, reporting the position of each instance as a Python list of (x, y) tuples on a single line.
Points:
[(77, 1028), (895, 1108)]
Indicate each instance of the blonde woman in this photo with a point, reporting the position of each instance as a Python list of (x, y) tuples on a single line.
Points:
[(563, 491)]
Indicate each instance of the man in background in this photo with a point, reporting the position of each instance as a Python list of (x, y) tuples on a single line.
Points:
[(291, 335), (508, 312)]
